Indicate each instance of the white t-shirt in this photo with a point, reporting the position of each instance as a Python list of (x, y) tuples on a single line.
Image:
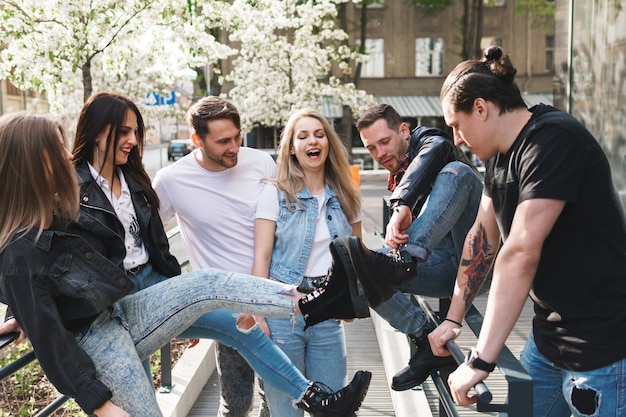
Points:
[(269, 208), (215, 210)]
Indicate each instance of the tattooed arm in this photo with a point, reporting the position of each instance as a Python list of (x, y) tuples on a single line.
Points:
[(513, 275), (479, 251)]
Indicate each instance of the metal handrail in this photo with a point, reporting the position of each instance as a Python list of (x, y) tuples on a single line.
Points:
[(519, 383)]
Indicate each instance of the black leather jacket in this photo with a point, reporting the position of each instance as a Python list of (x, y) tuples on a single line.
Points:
[(97, 215), (430, 149), (55, 286)]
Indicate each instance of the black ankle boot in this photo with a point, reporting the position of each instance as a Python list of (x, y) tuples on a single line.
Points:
[(421, 364), (320, 401), (338, 296), (380, 274)]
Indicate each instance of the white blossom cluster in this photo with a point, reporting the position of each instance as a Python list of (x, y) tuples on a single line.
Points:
[(283, 51)]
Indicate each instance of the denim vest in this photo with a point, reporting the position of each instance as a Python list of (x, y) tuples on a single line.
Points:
[(295, 231)]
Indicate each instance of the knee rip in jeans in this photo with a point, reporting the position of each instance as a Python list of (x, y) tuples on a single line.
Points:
[(584, 398), (246, 323)]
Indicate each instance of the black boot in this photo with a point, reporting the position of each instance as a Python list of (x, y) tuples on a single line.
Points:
[(381, 274), (320, 401), (338, 296), (422, 363)]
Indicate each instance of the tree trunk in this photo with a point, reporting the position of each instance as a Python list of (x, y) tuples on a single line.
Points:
[(347, 120), (200, 87), (472, 27), (216, 87), (87, 81)]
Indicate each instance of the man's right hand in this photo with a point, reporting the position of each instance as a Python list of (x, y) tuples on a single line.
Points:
[(399, 222), (438, 337)]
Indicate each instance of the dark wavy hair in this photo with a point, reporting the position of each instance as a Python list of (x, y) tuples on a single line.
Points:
[(103, 110), (491, 78), (380, 111)]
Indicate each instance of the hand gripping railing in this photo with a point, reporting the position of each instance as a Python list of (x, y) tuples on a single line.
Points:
[(520, 386)]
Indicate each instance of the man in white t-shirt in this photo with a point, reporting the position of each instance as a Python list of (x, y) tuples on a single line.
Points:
[(213, 193)]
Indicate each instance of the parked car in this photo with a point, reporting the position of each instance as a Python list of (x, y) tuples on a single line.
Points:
[(177, 148)]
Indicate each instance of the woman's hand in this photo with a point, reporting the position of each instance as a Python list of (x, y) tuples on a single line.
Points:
[(11, 326), (263, 325), (108, 409)]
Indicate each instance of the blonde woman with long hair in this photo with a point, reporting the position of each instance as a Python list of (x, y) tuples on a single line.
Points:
[(311, 201)]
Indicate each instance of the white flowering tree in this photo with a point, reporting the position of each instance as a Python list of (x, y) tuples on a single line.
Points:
[(68, 49), (287, 50)]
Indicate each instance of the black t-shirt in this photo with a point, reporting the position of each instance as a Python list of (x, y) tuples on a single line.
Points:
[(579, 289)]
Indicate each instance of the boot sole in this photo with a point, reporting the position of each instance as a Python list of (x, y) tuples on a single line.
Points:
[(356, 262), (365, 377), (359, 301)]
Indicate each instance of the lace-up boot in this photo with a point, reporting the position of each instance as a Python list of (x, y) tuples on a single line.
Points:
[(321, 401), (338, 296), (421, 364), (381, 274)]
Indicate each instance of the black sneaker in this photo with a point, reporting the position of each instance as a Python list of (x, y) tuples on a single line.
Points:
[(320, 401), (338, 296), (380, 274), (421, 364)]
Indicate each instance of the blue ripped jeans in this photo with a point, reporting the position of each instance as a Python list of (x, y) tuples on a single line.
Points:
[(440, 228), (560, 392), (140, 323), (319, 352)]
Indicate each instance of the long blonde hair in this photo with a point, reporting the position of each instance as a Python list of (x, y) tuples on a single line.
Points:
[(37, 180), (289, 174)]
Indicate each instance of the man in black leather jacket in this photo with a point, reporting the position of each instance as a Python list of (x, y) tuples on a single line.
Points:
[(434, 201)]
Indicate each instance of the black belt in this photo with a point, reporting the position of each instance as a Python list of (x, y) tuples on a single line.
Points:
[(135, 270), (310, 284)]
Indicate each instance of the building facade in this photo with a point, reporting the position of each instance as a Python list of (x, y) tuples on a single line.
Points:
[(590, 81), (13, 99), (411, 52)]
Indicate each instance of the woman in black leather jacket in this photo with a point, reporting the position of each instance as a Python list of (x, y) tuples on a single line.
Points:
[(116, 196)]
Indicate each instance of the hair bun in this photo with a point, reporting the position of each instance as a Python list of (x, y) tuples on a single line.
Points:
[(493, 53)]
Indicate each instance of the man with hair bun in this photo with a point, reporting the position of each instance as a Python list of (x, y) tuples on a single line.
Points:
[(550, 199)]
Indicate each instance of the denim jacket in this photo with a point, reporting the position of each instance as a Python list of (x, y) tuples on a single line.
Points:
[(430, 149), (55, 286), (295, 231)]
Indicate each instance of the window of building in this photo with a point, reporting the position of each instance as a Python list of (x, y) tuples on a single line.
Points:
[(488, 41), (375, 4), (428, 57), (375, 65), (491, 3), (550, 53), (13, 90)]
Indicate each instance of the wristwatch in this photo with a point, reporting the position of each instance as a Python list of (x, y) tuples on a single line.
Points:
[(473, 361)]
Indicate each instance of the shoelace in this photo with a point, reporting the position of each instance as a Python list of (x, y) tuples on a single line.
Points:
[(323, 389), (394, 258)]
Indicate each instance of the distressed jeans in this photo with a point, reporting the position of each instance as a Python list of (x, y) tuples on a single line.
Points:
[(559, 392), (257, 350), (440, 228), (318, 352), (140, 323)]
